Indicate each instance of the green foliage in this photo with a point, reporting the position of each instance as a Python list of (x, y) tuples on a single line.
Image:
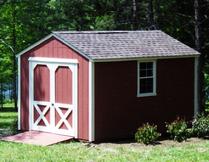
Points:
[(105, 22), (200, 126), (147, 134), (178, 130)]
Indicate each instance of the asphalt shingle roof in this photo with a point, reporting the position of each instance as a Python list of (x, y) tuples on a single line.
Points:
[(98, 45)]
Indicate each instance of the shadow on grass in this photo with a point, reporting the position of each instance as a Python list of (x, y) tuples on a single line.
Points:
[(7, 109), (8, 121)]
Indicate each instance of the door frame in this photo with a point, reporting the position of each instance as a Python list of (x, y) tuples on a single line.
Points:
[(53, 64)]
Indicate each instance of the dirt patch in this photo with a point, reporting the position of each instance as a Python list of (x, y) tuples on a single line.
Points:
[(163, 143)]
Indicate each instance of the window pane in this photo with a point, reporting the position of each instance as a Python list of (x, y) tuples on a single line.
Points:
[(146, 85), (149, 85), (143, 73), (143, 65), (149, 65), (142, 85), (149, 72)]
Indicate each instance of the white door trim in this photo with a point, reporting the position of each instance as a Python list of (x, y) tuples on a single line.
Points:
[(53, 64), (52, 60)]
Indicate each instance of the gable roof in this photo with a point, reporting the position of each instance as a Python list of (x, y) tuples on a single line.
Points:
[(102, 45)]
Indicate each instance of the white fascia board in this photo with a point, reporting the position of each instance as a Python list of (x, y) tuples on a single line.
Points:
[(144, 58)]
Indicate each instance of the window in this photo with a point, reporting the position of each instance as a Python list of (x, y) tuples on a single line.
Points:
[(146, 78)]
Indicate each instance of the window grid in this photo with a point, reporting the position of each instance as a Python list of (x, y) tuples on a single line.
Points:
[(149, 78)]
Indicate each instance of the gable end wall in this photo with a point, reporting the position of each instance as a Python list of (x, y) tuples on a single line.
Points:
[(55, 49)]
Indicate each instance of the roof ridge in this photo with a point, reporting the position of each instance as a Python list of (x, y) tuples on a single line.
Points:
[(104, 31)]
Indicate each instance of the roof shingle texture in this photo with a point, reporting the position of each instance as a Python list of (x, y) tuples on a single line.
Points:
[(125, 44)]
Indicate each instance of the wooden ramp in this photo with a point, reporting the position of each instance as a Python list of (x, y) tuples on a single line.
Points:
[(37, 138)]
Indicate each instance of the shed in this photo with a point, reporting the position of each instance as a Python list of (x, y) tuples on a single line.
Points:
[(102, 85)]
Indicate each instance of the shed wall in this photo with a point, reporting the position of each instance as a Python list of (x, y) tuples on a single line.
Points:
[(118, 110), (55, 49)]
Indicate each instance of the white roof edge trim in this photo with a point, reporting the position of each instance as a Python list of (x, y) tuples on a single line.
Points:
[(145, 58), (48, 37)]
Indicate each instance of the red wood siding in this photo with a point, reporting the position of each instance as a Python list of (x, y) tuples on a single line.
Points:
[(63, 85), (63, 92), (55, 49), (118, 112), (41, 78), (41, 90)]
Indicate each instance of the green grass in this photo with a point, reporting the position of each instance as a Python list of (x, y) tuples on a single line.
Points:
[(198, 150), (8, 105), (7, 119), (75, 151)]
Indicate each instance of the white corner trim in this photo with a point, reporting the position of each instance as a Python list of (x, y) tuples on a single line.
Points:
[(19, 92), (75, 99), (154, 93), (196, 103), (91, 103), (52, 60)]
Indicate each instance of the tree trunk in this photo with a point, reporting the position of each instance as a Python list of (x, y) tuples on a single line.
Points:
[(14, 43), (198, 45), (134, 19), (157, 13), (150, 15)]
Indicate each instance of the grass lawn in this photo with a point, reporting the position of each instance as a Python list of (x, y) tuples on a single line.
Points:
[(192, 150), (7, 118)]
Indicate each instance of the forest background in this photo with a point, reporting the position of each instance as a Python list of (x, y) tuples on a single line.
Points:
[(23, 22)]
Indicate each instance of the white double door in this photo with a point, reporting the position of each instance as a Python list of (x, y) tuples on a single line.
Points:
[(53, 95)]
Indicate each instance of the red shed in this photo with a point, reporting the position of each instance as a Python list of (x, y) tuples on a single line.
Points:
[(102, 85)]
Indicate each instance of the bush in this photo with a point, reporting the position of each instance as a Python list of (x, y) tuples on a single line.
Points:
[(147, 134), (178, 130), (200, 126)]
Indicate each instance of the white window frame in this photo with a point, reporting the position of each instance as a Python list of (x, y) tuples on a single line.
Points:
[(154, 93)]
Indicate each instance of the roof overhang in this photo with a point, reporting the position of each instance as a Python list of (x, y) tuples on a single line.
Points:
[(145, 58)]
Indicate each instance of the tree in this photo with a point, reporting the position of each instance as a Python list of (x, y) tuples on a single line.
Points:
[(150, 15), (198, 46)]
